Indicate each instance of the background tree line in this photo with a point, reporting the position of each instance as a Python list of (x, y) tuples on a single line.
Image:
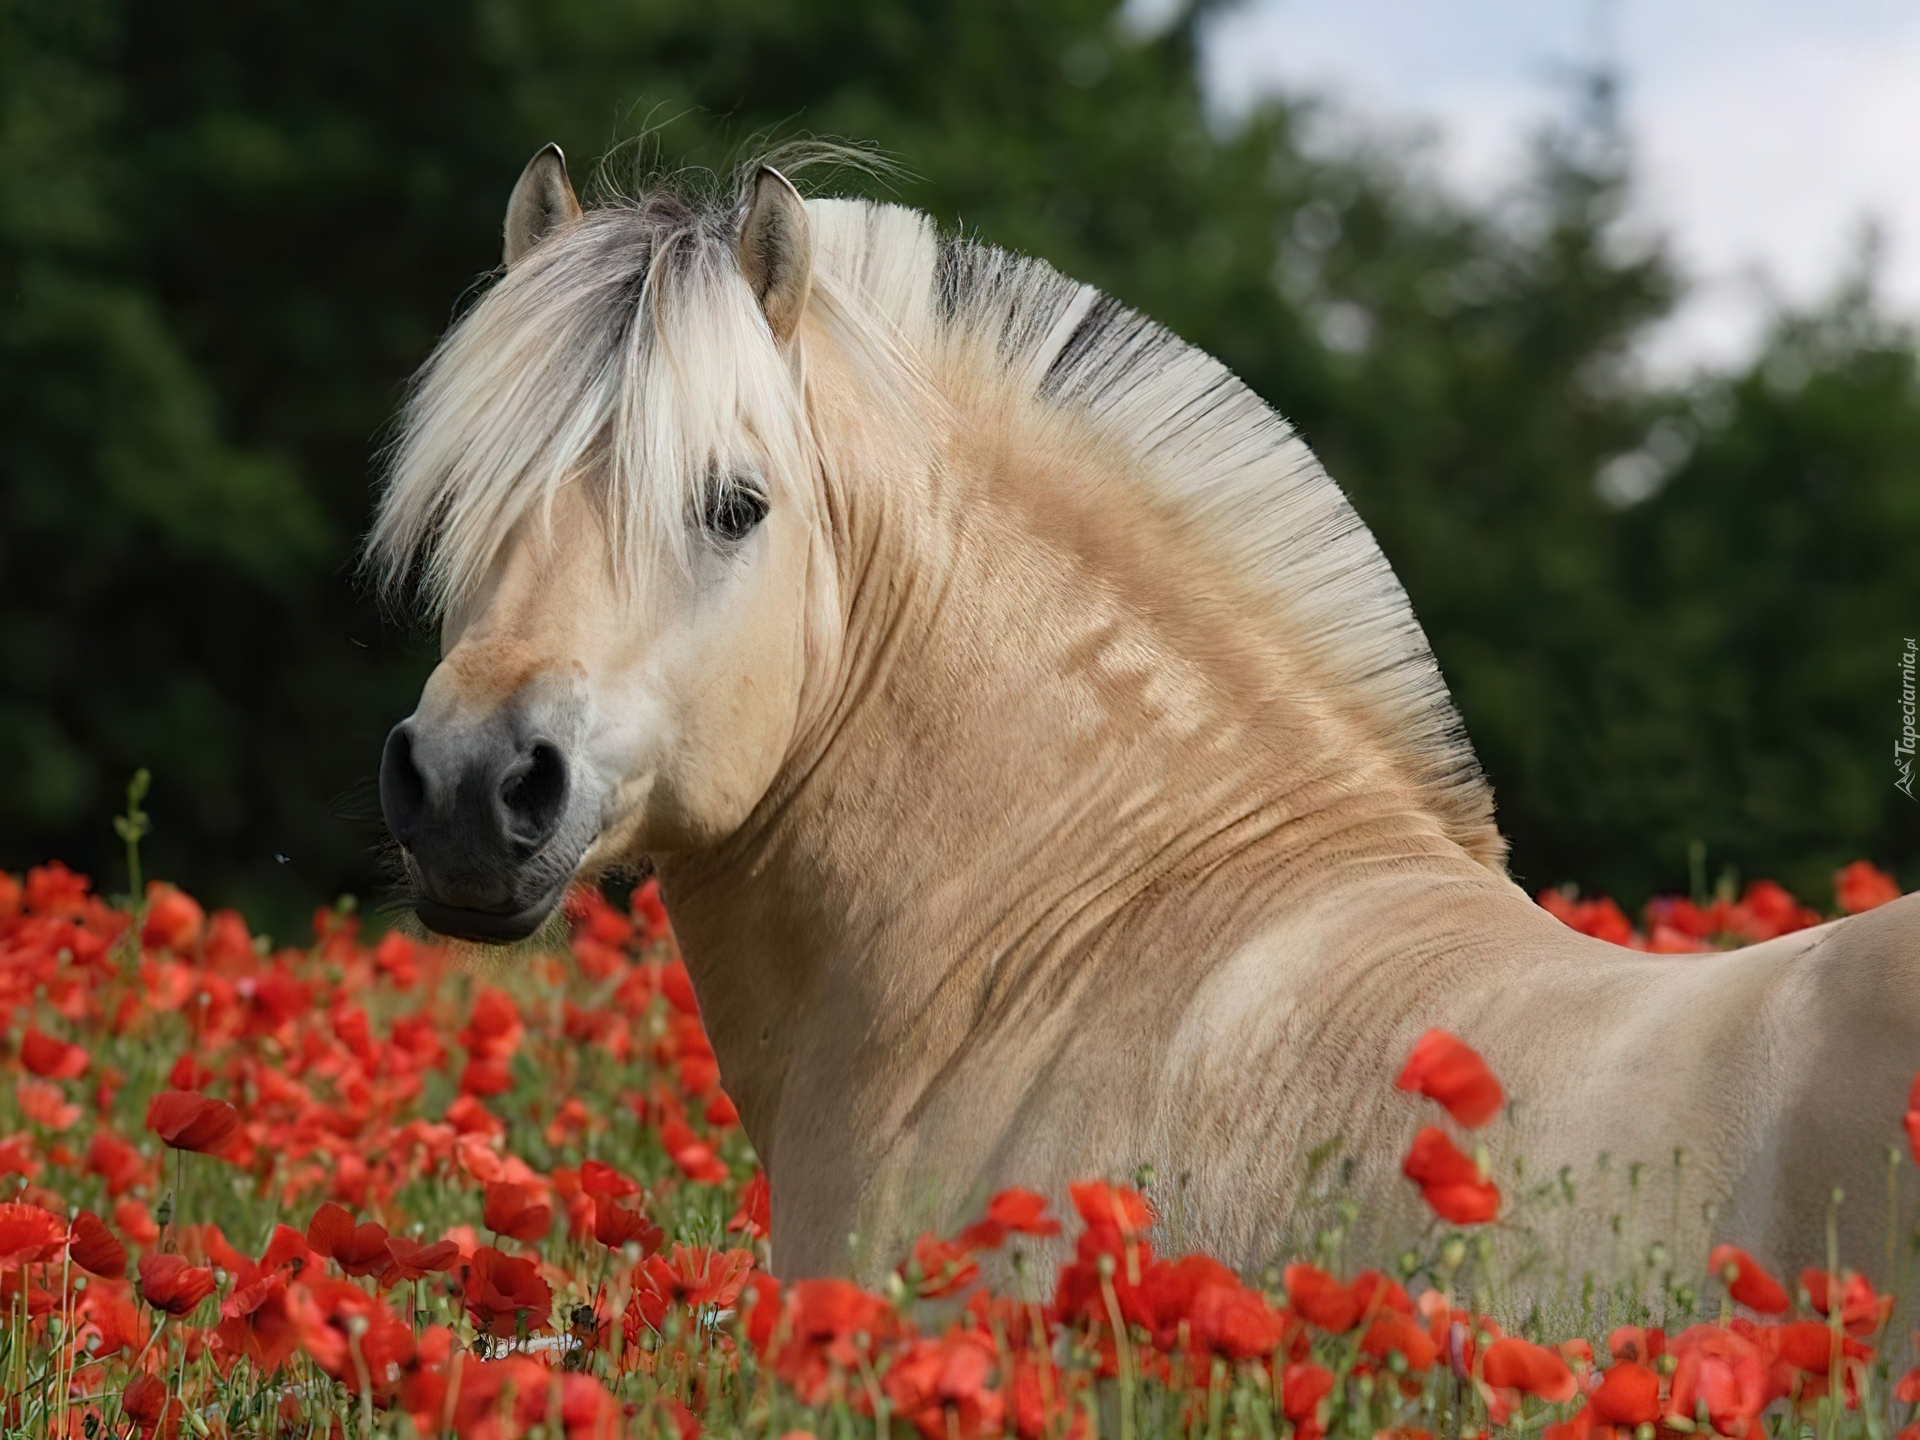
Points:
[(230, 228)]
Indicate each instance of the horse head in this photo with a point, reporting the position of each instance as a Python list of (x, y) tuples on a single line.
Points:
[(604, 489)]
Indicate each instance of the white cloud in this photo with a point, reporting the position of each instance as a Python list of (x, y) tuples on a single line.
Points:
[(1768, 131)]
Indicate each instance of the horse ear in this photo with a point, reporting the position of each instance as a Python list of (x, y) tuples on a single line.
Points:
[(776, 251), (541, 202)]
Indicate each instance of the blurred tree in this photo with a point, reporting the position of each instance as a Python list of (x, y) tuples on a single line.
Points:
[(229, 230)]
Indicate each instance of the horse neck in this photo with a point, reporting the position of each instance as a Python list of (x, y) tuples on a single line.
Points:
[(1050, 717)]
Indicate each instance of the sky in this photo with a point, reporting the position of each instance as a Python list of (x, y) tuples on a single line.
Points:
[(1768, 133)]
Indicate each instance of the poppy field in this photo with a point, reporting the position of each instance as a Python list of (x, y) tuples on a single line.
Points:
[(353, 1185)]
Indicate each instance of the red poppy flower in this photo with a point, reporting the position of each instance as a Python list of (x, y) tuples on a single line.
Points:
[(677, 985), (1107, 1259), (939, 1267), (1226, 1318), (1861, 1311), (258, 1323), (174, 919), (414, 1261), (29, 1236), (517, 1212), (616, 1223), (1765, 910), (357, 1249), (1167, 1291), (506, 1296), (598, 1178), (189, 1121), (1643, 1345), (136, 1222), (485, 1077), (1600, 918), (50, 1058), (148, 1404), (1512, 1364), (1393, 1331), (648, 912), (46, 1105), (274, 1001), (1722, 1371), (1321, 1300), (693, 1155), (254, 1318), (760, 1304), (53, 889), (941, 1386), (1011, 1212), (1449, 1181), (1912, 1118), (1023, 1212), (516, 1395), (1442, 1068), (469, 1117), (229, 944), (1747, 1281), (755, 1211), (288, 1250), (826, 1328), (169, 1283), (110, 1315), (692, 1276), (115, 1161), (1628, 1394), (495, 1029), (95, 1248), (1805, 1345), (189, 1072), (1303, 1386), (334, 1317), (1863, 886), (1112, 1207)]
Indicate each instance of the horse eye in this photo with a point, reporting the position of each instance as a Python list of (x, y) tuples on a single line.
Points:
[(734, 511)]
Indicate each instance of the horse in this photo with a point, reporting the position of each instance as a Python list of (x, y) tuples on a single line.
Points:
[(1044, 772)]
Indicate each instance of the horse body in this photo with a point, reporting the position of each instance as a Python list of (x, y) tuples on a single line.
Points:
[(1086, 798)]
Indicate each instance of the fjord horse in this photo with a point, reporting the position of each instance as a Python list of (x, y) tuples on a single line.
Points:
[(1044, 771)]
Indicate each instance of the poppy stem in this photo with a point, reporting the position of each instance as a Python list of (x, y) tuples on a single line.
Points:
[(361, 1373), (1123, 1352), (164, 1317), (1835, 1398), (63, 1377), (1893, 1231)]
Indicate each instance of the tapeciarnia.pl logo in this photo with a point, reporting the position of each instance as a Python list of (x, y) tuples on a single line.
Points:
[(1904, 746)]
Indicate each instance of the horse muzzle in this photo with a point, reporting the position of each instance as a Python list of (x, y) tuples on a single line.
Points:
[(481, 812)]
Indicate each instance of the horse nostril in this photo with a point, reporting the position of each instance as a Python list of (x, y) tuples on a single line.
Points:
[(403, 794), (534, 794)]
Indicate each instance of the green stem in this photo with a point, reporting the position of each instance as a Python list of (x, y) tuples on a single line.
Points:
[(1123, 1351)]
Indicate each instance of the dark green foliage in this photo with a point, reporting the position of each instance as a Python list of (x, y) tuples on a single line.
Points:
[(228, 231)]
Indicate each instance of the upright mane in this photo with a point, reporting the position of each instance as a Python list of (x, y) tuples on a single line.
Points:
[(627, 339)]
